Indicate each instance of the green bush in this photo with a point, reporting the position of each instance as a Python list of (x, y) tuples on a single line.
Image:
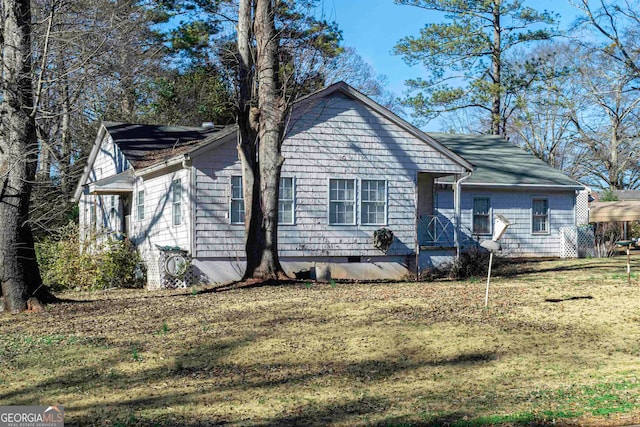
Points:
[(68, 262), (119, 266)]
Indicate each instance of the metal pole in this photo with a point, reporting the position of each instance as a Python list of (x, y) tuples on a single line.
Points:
[(486, 296), (628, 265)]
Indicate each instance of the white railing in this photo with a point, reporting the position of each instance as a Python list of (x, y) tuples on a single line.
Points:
[(436, 231)]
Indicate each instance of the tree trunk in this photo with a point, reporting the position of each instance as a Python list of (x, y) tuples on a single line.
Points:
[(260, 136), (271, 132), (19, 274), (496, 62)]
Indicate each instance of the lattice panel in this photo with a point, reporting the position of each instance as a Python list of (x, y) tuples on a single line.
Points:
[(586, 241), (577, 242), (153, 269), (582, 207), (170, 282)]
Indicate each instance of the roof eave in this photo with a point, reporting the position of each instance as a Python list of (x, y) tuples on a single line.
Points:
[(87, 168), (385, 112), (535, 186)]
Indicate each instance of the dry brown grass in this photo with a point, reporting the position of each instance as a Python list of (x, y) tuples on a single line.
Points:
[(559, 343)]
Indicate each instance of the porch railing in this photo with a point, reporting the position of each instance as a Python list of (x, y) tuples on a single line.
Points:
[(435, 230)]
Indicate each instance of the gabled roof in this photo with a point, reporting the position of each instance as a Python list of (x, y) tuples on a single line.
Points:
[(144, 145), (499, 163), (342, 87)]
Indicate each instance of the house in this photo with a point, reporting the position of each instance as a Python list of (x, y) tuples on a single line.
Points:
[(544, 205), (351, 168)]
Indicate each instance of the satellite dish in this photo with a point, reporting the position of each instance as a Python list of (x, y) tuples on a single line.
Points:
[(175, 265)]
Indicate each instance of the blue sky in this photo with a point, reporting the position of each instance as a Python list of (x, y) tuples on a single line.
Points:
[(373, 27)]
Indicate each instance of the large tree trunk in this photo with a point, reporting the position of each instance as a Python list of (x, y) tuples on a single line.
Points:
[(271, 131), (19, 274), (260, 135)]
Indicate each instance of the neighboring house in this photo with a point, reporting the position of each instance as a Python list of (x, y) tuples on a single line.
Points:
[(351, 167)]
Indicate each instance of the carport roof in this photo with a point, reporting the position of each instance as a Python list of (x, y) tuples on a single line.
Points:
[(624, 210)]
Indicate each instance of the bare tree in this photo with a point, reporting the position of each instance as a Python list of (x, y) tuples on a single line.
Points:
[(607, 125), (19, 274), (542, 117)]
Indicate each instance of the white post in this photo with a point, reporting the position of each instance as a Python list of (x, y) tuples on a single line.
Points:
[(486, 296)]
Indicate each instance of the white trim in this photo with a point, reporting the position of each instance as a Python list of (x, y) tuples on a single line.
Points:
[(89, 166), (536, 186), (386, 202), (138, 218), (355, 201), (293, 201), (473, 215), (231, 199), (548, 216), (178, 203)]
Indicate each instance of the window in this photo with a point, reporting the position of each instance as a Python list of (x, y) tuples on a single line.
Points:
[(481, 215), (176, 187), (540, 216), (237, 201), (140, 205), (93, 212), (286, 201), (342, 201), (112, 211), (373, 202)]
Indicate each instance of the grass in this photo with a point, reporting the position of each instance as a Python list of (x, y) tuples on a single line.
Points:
[(558, 345)]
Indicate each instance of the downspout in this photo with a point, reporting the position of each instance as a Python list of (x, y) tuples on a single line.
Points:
[(457, 214), (187, 164)]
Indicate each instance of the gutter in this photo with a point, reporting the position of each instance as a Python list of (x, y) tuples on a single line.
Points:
[(182, 161), (576, 187)]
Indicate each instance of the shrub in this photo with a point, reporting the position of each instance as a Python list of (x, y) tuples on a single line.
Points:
[(119, 266), (474, 262), (65, 262), (68, 262)]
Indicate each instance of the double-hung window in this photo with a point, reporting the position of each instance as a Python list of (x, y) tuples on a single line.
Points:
[(481, 215), (140, 205), (286, 201), (286, 205), (113, 212), (373, 202), (236, 207), (176, 187), (342, 201), (539, 215)]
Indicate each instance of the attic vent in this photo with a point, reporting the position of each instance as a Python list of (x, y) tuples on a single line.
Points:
[(208, 125)]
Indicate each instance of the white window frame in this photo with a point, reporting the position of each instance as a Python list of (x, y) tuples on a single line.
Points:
[(113, 211), (334, 201), (140, 205), (176, 199), (488, 215), (236, 201), (547, 216), (93, 212), (291, 201), (383, 202)]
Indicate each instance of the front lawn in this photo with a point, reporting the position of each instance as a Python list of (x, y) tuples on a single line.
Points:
[(559, 343)]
